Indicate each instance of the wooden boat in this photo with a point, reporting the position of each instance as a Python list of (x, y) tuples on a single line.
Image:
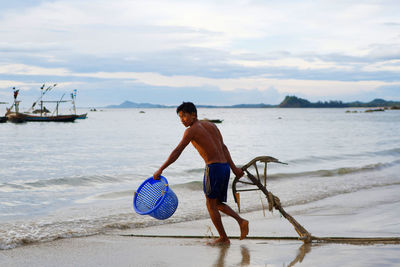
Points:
[(213, 120), (18, 117), (3, 118), (43, 115), (81, 116), (60, 118), (15, 117)]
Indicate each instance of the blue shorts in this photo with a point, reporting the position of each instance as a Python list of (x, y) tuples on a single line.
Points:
[(216, 180)]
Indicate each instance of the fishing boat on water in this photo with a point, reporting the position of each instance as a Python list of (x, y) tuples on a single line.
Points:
[(80, 116), (42, 114), (18, 117), (213, 120), (3, 118)]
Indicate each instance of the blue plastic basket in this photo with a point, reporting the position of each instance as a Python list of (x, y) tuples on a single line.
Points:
[(155, 198)]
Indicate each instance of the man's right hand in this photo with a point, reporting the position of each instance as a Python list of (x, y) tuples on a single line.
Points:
[(156, 175)]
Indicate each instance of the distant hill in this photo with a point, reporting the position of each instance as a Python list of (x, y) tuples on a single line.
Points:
[(261, 105), (288, 102), (295, 102), (129, 104)]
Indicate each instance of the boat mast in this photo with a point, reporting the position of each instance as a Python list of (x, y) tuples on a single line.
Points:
[(16, 103), (42, 93), (58, 102), (41, 101), (73, 96)]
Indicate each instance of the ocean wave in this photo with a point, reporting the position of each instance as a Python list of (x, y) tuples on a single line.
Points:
[(335, 172), (24, 233), (21, 233), (324, 158), (390, 152), (99, 217), (194, 185), (114, 195), (62, 182), (340, 191), (195, 170)]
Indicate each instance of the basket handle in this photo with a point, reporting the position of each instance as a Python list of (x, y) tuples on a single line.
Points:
[(163, 189)]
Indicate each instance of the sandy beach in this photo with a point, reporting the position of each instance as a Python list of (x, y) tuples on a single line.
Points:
[(352, 214), (125, 251)]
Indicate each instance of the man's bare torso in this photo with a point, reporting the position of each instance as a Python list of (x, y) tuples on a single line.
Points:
[(207, 139)]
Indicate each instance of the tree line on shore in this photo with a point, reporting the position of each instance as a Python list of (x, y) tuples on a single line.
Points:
[(296, 102)]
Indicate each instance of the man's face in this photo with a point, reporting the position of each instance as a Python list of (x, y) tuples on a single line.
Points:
[(187, 119)]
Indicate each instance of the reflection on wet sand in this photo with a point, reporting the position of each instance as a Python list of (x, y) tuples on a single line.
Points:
[(220, 262), (245, 256), (303, 250), (245, 252)]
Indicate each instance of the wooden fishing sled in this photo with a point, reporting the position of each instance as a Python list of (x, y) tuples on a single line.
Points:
[(258, 182)]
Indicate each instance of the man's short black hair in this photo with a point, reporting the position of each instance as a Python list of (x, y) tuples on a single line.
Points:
[(187, 107)]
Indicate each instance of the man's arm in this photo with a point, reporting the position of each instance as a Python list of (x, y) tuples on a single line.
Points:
[(187, 137), (237, 171)]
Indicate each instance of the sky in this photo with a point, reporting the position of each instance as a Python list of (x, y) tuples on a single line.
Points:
[(208, 52)]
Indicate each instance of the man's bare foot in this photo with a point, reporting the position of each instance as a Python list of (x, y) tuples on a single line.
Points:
[(244, 229), (219, 242)]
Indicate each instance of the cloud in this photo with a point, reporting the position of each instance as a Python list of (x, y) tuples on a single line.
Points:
[(313, 49), (321, 89), (21, 69), (158, 25)]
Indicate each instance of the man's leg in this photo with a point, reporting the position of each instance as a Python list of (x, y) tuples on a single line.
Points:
[(243, 224), (212, 206)]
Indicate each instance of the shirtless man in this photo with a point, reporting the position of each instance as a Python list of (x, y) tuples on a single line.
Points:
[(207, 139)]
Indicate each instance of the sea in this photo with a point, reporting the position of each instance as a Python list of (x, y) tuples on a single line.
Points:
[(64, 180)]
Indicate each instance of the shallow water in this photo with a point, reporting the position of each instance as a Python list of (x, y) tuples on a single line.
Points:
[(76, 179)]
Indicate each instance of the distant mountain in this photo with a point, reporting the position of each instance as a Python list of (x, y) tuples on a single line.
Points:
[(261, 105), (129, 104), (288, 102)]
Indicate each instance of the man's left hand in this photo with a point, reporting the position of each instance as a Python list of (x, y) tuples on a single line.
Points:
[(238, 172)]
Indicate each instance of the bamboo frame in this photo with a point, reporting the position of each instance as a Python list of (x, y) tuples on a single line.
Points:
[(274, 202)]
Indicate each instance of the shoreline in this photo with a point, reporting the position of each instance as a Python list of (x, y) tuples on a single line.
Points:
[(108, 250), (367, 213)]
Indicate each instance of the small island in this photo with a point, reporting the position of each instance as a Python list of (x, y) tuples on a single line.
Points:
[(296, 102)]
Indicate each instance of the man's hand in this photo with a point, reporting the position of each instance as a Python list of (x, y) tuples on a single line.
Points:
[(238, 172), (156, 175)]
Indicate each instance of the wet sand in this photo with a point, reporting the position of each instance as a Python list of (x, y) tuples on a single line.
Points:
[(369, 213)]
